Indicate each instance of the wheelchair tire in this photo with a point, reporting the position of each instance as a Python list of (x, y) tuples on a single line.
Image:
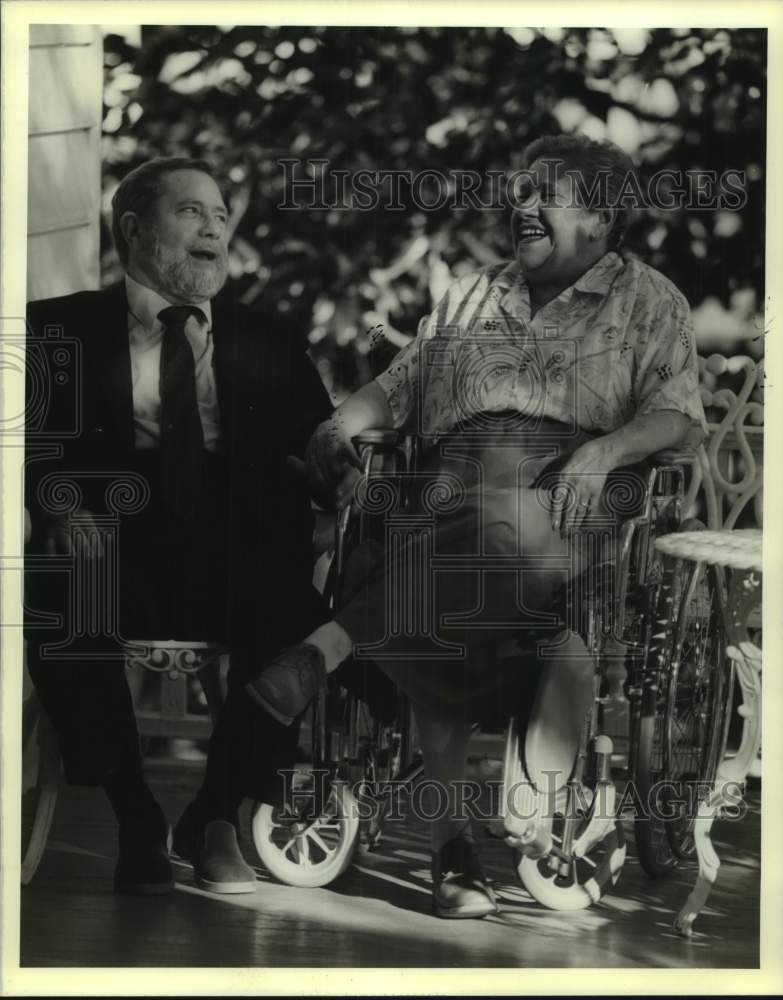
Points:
[(698, 700), (589, 878), (653, 847), (308, 853), (685, 700), (652, 842)]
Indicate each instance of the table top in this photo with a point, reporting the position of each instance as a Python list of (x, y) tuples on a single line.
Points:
[(738, 549)]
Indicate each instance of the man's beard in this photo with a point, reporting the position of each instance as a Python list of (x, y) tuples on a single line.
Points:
[(182, 277)]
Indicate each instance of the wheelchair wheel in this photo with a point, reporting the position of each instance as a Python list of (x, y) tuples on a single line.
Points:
[(381, 758), (371, 743), (304, 850), (698, 697), (578, 882), (684, 714), (585, 844), (388, 764)]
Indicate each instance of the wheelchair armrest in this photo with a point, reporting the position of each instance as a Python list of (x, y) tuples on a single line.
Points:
[(685, 454), (384, 437), (673, 456)]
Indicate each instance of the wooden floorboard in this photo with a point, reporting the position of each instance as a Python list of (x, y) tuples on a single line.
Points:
[(377, 915)]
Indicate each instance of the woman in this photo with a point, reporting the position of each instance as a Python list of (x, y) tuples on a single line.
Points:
[(583, 356)]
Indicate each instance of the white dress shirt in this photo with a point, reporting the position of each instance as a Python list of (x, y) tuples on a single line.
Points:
[(145, 336)]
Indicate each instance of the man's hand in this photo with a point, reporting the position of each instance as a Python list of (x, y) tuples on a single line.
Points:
[(580, 485), (333, 466), (59, 534)]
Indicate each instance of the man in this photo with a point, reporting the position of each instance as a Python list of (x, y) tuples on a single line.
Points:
[(579, 352), (187, 391)]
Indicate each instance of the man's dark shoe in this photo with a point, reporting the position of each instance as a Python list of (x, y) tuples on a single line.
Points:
[(460, 888), (289, 683), (189, 832), (143, 866)]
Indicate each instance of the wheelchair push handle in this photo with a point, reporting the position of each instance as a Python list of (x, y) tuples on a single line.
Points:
[(374, 441), (367, 443)]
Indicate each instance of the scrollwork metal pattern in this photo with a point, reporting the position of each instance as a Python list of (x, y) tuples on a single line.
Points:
[(172, 658), (729, 473)]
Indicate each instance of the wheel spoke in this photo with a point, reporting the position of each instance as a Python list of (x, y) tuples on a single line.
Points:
[(325, 823), (316, 838), (291, 843), (303, 849)]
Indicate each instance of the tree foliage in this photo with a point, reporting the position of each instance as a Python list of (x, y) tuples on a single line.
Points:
[(442, 99)]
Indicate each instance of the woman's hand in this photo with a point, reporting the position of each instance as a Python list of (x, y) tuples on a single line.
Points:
[(580, 485), (333, 466)]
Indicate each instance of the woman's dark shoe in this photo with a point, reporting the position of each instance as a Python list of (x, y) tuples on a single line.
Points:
[(287, 685), (460, 888), (219, 866), (188, 836), (212, 848)]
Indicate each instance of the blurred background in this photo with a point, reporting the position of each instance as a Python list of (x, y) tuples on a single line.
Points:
[(412, 99)]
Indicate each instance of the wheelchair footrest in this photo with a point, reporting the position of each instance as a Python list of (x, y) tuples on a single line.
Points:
[(534, 841)]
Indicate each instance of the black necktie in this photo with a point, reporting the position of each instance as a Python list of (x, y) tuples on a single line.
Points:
[(181, 435)]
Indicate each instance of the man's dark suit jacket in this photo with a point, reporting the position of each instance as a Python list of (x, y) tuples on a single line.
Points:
[(270, 400)]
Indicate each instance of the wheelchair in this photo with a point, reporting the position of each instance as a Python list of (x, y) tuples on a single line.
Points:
[(655, 631), (655, 628)]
